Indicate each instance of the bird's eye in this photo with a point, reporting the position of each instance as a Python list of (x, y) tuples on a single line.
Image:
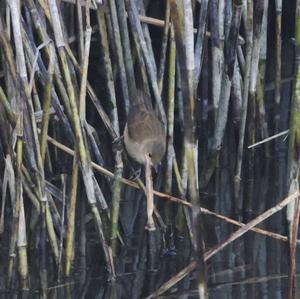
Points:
[(150, 155)]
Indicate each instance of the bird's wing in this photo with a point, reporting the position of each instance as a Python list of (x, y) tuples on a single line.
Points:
[(143, 124)]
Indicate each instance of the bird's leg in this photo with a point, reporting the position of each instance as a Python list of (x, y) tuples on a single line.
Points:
[(149, 193), (117, 144)]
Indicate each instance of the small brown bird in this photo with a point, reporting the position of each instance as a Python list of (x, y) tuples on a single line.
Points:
[(145, 142)]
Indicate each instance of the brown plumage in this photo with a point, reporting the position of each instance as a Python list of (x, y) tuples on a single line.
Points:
[(144, 135)]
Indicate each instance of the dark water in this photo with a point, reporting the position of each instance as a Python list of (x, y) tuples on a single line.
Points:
[(226, 279)]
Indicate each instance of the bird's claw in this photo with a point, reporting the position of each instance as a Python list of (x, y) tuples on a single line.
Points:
[(117, 144)]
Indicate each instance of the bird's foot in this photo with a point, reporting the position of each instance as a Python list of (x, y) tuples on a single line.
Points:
[(117, 144)]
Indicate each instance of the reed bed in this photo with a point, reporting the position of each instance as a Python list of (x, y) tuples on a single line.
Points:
[(223, 81)]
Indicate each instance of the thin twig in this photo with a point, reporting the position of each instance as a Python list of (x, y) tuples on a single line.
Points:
[(269, 139)]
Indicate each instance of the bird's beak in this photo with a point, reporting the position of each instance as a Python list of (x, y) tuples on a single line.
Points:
[(155, 167)]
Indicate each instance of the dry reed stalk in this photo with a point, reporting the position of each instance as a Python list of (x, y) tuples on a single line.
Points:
[(293, 210), (217, 38), (140, 42), (249, 48), (116, 194), (182, 18), (170, 115), (163, 50), (84, 49), (278, 4), (79, 134), (71, 218), (200, 42), (222, 113), (119, 52), (208, 254)]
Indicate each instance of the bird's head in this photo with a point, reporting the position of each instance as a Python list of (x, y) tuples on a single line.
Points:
[(156, 153)]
